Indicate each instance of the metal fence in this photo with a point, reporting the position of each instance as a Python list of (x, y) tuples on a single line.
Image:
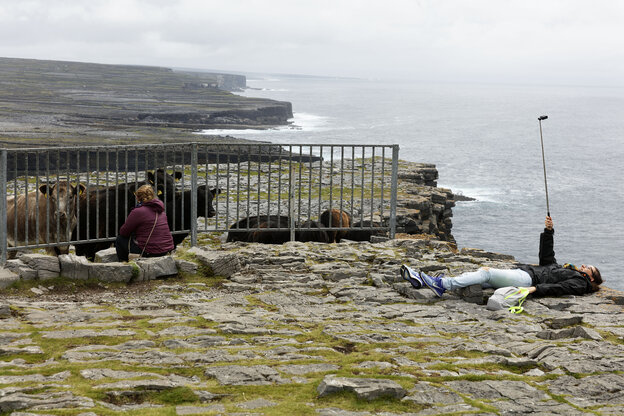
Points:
[(80, 196)]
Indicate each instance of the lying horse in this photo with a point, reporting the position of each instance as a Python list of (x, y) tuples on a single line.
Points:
[(274, 229)]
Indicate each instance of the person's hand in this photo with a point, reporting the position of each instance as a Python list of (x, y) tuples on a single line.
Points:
[(532, 289), (548, 223)]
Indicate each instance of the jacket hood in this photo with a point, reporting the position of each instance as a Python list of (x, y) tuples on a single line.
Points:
[(155, 204)]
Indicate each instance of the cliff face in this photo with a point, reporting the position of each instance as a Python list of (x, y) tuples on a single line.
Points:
[(231, 82), (276, 114), (423, 208)]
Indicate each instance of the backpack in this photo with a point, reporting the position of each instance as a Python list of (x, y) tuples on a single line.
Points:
[(510, 298)]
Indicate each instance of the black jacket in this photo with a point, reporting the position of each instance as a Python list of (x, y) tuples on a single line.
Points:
[(551, 279)]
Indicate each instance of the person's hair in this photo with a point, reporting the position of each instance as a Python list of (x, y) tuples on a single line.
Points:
[(145, 193), (597, 279)]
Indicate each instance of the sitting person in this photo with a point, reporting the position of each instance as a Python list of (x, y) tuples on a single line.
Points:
[(145, 231), (547, 279)]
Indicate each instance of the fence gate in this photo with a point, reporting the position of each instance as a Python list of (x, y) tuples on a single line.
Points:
[(80, 196)]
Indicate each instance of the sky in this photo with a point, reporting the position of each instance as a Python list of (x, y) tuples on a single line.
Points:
[(566, 42)]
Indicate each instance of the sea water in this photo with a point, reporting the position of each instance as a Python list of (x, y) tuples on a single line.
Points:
[(485, 141)]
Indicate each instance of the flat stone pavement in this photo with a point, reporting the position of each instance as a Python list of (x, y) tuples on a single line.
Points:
[(311, 329)]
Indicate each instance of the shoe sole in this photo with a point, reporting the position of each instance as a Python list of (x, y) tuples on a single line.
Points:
[(407, 276)]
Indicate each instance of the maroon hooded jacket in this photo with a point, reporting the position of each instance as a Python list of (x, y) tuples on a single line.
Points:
[(140, 222)]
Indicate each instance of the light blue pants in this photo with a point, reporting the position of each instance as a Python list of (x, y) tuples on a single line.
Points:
[(490, 278)]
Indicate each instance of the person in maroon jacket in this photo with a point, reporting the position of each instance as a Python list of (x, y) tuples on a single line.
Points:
[(145, 231), (546, 279)]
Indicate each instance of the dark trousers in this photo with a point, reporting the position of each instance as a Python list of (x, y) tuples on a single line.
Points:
[(124, 246)]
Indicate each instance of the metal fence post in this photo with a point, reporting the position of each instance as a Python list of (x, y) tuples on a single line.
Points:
[(193, 194), (393, 194), (3, 207), (291, 201)]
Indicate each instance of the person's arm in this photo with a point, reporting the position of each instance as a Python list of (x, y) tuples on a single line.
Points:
[(567, 287), (547, 244), (132, 222)]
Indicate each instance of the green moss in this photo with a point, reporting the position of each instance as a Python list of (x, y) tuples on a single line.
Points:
[(175, 396)]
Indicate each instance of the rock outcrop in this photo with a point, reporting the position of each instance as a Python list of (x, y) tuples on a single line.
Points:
[(424, 208)]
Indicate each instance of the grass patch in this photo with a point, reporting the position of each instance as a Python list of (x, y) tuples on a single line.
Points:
[(57, 285), (175, 396)]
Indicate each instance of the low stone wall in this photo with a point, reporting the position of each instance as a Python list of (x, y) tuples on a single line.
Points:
[(107, 269)]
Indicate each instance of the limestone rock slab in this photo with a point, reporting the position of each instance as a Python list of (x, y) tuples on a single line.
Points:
[(7, 278), (74, 267), (221, 263), (238, 375), (364, 388), (108, 255), (43, 401), (42, 262), (111, 272), (156, 267)]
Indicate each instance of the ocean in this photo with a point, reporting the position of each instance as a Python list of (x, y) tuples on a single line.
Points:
[(485, 142)]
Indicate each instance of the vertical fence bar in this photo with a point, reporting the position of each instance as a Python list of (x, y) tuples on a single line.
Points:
[(269, 179), (310, 171), (383, 179), (331, 183), (238, 182), (67, 200), (248, 193), (88, 195), (26, 224), (362, 184), (36, 199), (258, 210), (227, 188), (372, 198), (15, 193), (279, 184), (299, 186), (97, 193), (3, 207), (217, 182), (341, 184), (353, 182), (193, 195), (291, 195), (393, 195), (320, 182), (181, 211), (116, 213)]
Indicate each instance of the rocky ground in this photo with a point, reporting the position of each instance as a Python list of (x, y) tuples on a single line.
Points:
[(306, 328)]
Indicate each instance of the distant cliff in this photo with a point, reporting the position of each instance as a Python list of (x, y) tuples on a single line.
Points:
[(227, 82), (55, 102)]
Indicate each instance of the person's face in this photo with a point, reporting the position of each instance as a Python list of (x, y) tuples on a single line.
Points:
[(586, 268)]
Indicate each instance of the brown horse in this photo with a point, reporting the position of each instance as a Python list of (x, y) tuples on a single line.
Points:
[(44, 216)]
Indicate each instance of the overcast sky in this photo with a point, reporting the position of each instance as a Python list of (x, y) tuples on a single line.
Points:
[(525, 41)]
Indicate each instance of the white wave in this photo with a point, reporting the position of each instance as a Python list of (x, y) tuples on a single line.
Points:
[(300, 122), (479, 193)]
